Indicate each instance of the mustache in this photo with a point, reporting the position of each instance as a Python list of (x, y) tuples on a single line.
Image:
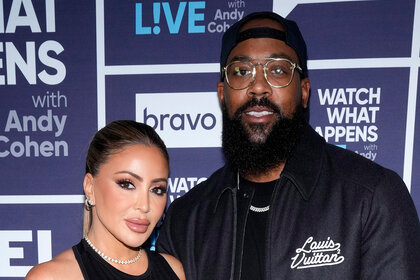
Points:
[(263, 102)]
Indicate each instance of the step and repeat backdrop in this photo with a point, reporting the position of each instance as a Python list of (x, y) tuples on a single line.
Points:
[(67, 68)]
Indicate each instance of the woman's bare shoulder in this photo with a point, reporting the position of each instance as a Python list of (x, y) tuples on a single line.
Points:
[(63, 266), (176, 265)]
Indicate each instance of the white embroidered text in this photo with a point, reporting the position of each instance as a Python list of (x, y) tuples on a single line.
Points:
[(317, 253)]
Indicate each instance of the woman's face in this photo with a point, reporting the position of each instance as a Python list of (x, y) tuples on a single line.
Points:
[(129, 193)]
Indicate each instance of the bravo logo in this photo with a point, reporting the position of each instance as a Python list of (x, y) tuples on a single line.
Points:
[(183, 120)]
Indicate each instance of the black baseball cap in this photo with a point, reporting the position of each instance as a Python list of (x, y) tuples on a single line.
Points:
[(291, 36)]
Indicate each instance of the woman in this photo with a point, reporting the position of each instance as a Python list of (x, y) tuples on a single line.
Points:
[(125, 185)]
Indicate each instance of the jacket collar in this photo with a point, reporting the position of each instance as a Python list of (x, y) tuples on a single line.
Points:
[(303, 168), (227, 182)]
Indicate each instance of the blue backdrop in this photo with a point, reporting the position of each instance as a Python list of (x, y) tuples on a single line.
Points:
[(69, 67)]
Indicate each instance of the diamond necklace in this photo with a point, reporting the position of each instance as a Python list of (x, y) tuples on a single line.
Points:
[(259, 209), (109, 258)]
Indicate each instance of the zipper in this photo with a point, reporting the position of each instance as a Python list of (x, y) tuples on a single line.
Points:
[(243, 233), (235, 222), (268, 230)]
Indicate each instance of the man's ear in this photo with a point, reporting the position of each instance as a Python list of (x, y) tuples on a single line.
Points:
[(305, 85), (88, 186), (220, 92)]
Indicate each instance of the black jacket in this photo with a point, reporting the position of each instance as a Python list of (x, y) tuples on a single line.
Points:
[(333, 215)]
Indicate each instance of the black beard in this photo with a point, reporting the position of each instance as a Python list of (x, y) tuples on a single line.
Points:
[(267, 147)]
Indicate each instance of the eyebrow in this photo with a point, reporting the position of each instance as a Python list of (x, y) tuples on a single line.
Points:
[(248, 58), (281, 55), (140, 178)]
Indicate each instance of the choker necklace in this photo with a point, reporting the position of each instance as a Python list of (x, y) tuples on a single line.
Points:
[(259, 209), (109, 258)]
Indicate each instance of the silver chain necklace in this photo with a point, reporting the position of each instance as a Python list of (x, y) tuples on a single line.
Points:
[(259, 209), (253, 208), (105, 257)]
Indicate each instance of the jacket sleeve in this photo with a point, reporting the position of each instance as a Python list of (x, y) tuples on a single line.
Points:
[(390, 247)]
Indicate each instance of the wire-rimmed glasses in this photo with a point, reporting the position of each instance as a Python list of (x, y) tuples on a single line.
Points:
[(278, 72)]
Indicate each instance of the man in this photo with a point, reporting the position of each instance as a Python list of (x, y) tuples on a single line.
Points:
[(287, 205)]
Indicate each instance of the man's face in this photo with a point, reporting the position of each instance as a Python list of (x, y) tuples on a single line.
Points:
[(258, 118)]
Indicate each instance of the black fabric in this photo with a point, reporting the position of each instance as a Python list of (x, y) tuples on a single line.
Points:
[(261, 32), (324, 194), (253, 253), (94, 267)]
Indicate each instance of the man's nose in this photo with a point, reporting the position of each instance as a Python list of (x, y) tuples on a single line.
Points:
[(260, 86)]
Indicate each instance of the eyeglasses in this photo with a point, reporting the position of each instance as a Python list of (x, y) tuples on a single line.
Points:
[(278, 73)]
